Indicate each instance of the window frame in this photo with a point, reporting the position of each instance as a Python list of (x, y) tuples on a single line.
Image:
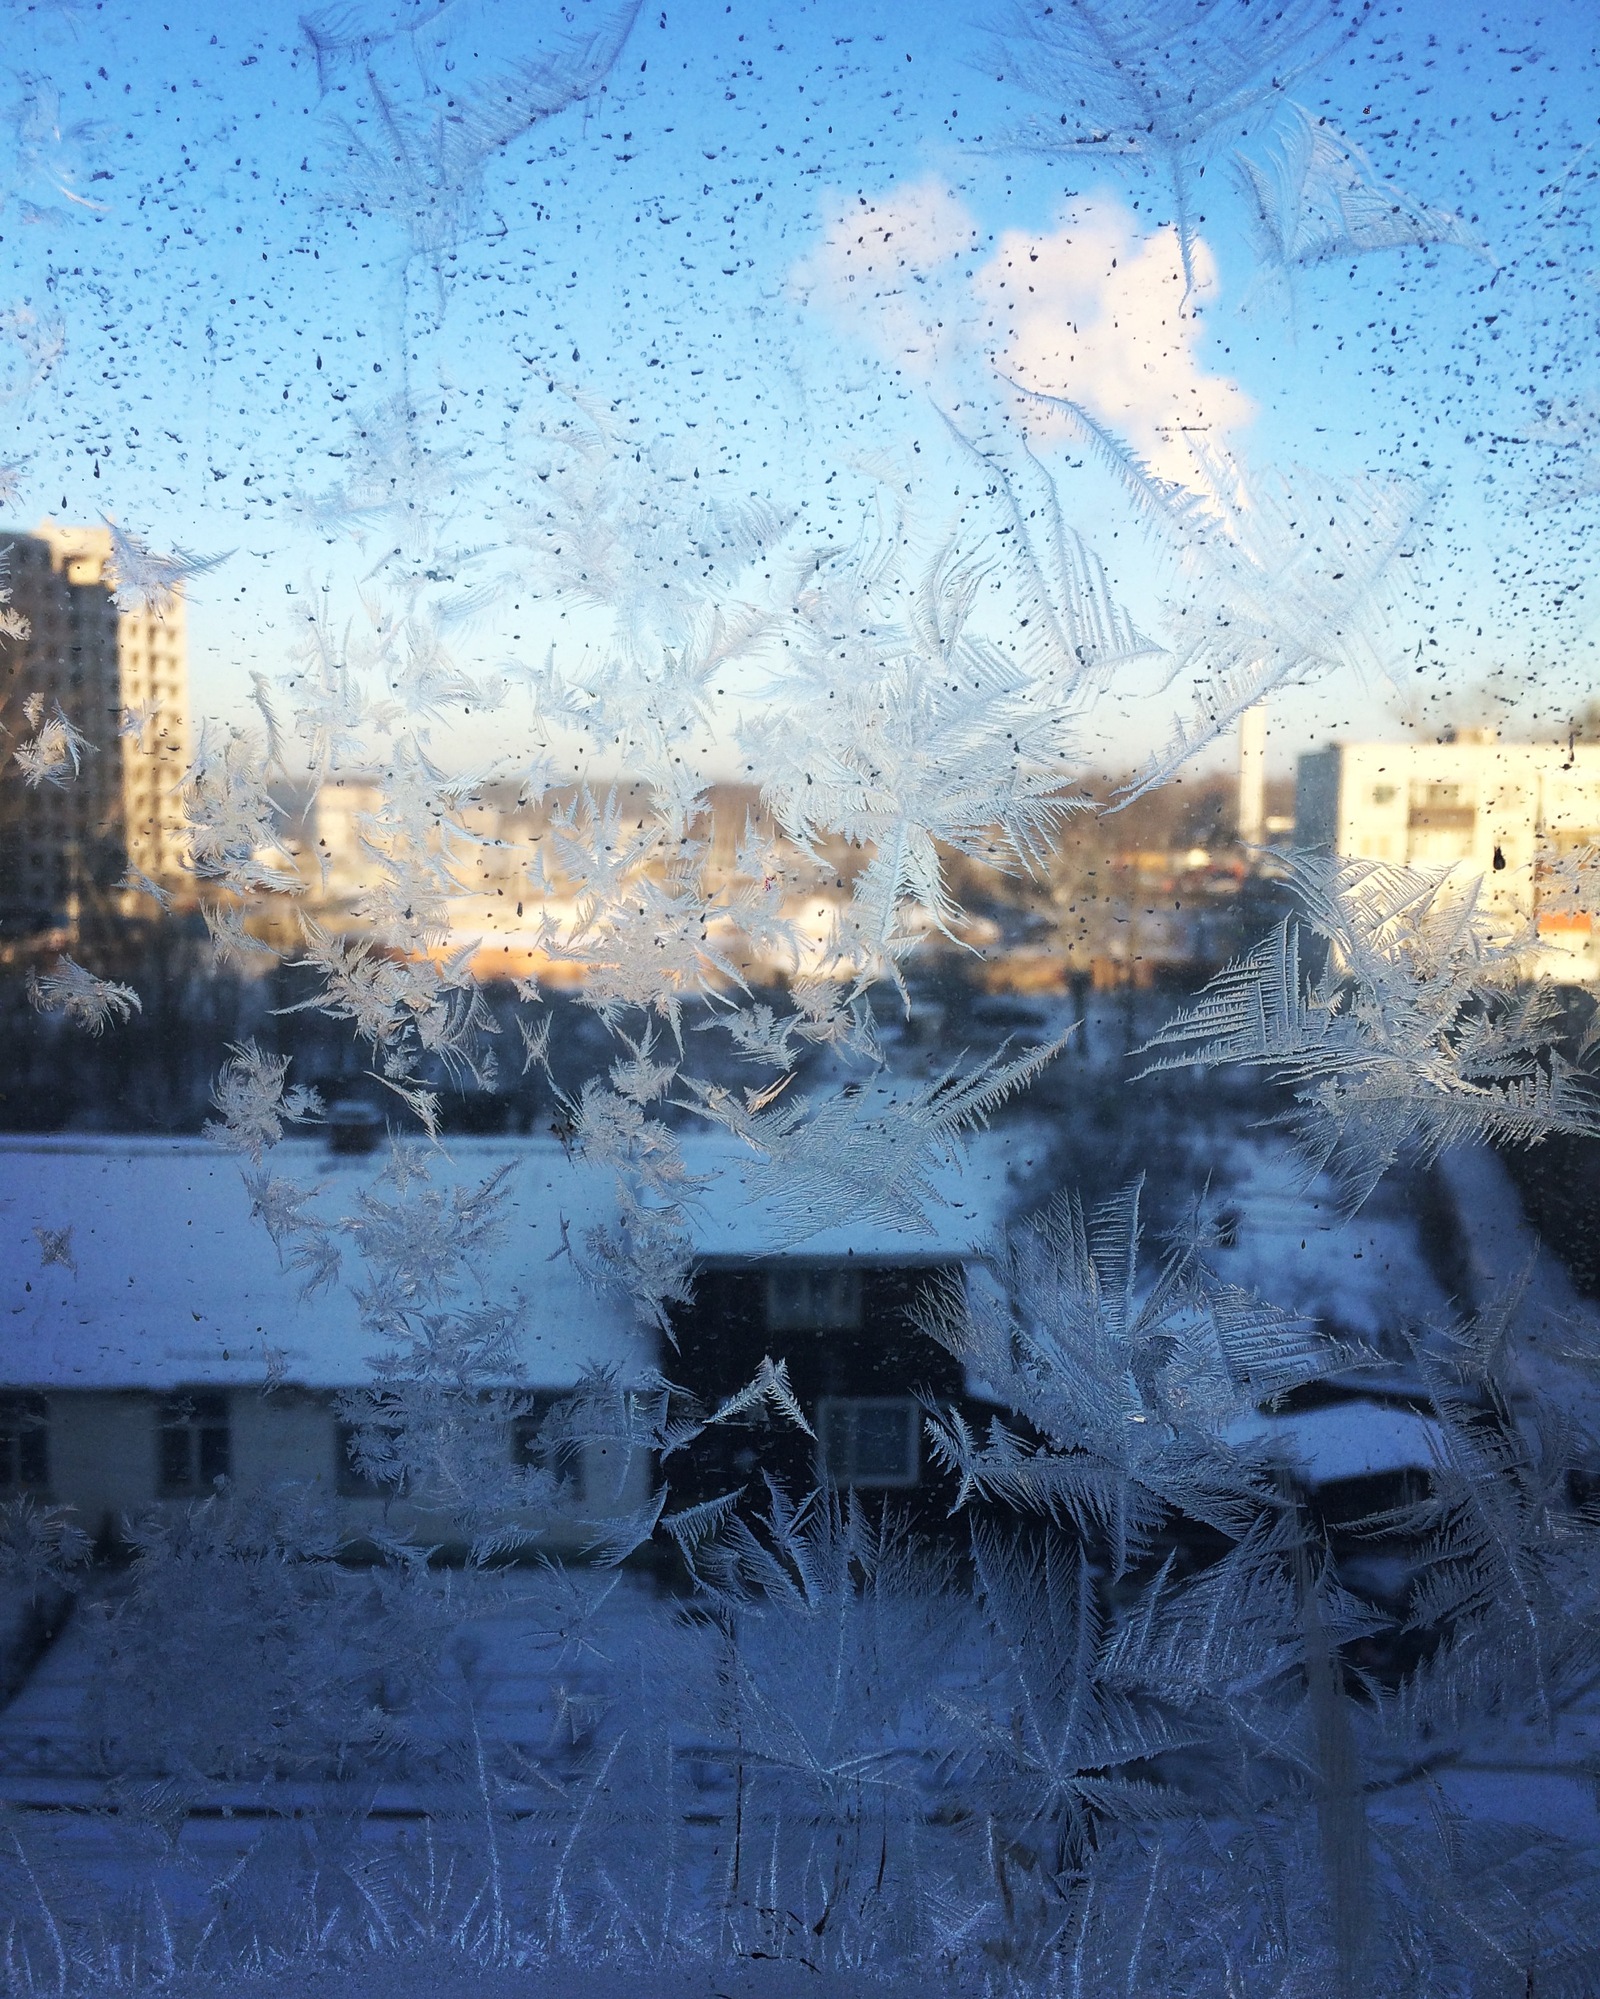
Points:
[(24, 1442), (196, 1423), (348, 1481), (813, 1314), (570, 1466), (838, 1422)]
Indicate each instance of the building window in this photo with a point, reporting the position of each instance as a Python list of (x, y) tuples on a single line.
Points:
[(24, 1444), (351, 1478), (193, 1443), (532, 1446), (813, 1298), (1383, 794), (869, 1439)]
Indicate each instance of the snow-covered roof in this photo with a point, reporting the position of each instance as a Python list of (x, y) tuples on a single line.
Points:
[(731, 1222), (172, 1281), (1355, 1439), (176, 1282)]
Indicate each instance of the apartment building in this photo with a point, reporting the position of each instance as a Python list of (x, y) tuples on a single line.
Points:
[(121, 678), (1518, 814)]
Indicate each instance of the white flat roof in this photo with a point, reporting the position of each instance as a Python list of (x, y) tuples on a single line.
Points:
[(1355, 1439), (176, 1283)]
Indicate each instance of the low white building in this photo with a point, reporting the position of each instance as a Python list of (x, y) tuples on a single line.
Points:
[(1518, 814), (152, 1341)]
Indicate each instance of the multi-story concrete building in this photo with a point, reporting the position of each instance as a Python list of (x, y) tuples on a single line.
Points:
[(121, 678), (325, 840), (1518, 814)]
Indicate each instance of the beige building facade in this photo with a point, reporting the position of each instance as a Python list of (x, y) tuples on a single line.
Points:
[(121, 678), (1523, 816), (154, 1342)]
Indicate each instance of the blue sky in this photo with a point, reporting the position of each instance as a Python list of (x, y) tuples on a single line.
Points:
[(231, 306)]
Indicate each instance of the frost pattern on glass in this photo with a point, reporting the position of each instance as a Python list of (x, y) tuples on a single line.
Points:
[(1422, 1028), (715, 561)]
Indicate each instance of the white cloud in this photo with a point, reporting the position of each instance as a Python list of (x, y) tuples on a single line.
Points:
[(1093, 309)]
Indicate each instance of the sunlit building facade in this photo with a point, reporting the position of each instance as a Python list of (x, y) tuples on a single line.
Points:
[(120, 677), (1524, 816)]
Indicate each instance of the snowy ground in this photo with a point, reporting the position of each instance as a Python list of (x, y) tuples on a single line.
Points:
[(1359, 1277), (533, 1654), (447, 1976), (1530, 1775), (537, 1670), (1555, 1323)]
